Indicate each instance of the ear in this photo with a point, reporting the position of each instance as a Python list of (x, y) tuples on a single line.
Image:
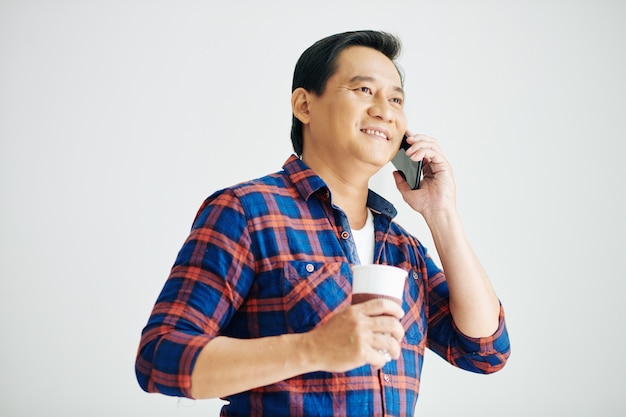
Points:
[(300, 105)]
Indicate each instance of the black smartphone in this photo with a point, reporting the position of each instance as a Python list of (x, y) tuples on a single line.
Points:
[(411, 170)]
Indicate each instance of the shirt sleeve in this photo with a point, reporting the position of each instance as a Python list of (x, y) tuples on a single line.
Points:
[(206, 285), (481, 355)]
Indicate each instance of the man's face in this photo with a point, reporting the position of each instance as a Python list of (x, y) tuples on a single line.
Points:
[(360, 116)]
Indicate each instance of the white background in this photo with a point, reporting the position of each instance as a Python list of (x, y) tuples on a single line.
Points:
[(117, 118)]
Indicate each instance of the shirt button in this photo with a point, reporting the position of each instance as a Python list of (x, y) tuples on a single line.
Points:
[(345, 235), (310, 268), (386, 377), (415, 276)]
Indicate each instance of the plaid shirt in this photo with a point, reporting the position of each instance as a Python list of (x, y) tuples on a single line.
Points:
[(272, 256)]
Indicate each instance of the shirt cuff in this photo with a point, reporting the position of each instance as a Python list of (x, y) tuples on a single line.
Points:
[(497, 343)]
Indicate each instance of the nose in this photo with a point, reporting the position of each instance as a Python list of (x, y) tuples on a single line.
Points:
[(381, 109)]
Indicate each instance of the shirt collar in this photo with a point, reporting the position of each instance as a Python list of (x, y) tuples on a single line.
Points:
[(307, 183)]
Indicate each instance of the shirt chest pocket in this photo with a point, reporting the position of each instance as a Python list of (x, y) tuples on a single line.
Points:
[(312, 291), (415, 321)]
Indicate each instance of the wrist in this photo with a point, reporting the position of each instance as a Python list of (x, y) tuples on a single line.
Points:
[(306, 358), (441, 218)]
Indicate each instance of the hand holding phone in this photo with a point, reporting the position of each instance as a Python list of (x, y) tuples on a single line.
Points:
[(411, 170)]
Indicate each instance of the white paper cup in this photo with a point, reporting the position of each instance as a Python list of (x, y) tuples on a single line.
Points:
[(377, 281)]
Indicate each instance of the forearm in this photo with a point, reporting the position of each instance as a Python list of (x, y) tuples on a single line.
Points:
[(227, 366), (473, 303), (348, 339)]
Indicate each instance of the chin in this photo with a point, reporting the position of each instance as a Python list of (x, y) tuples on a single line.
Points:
[(378, 163)]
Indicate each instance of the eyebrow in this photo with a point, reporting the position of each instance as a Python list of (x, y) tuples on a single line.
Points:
[(367, 78)]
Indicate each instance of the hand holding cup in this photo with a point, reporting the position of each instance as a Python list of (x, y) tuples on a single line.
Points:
[(376, 281)]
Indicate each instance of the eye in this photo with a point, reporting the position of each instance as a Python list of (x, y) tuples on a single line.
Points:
[(397, 100), (365, 90)]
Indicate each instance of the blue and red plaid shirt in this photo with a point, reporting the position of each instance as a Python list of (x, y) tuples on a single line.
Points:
[(272, 256)]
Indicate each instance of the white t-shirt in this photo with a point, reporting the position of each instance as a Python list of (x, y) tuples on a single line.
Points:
[(364, 240)]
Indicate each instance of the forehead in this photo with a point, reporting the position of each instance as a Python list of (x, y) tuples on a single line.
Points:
[(364, 61)]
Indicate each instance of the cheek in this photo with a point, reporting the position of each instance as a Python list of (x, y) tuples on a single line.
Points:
[(402, 125), (401, 120)]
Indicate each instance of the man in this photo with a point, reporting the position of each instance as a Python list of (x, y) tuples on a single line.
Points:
[(257, 308)]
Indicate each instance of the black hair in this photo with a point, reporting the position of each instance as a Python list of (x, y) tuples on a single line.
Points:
[(319, 62)]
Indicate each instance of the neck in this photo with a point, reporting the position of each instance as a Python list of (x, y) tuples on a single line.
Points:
[(354, 205), (349, 190)]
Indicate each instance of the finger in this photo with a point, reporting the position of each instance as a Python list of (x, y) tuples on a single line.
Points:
[(386, 355), (381, 307), (418, 137), (388, 346), (388, 326), (377, 358), (419, 142), (429, 155)]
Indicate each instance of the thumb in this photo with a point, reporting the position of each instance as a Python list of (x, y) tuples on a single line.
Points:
[(380, 307), (401, 183)]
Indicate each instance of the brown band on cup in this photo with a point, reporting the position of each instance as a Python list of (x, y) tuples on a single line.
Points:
[(361, 298)]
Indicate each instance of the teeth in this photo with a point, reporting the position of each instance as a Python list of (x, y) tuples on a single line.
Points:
[(375, 132)]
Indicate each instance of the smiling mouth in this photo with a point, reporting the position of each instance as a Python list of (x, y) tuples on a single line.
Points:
[(375, 133)]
